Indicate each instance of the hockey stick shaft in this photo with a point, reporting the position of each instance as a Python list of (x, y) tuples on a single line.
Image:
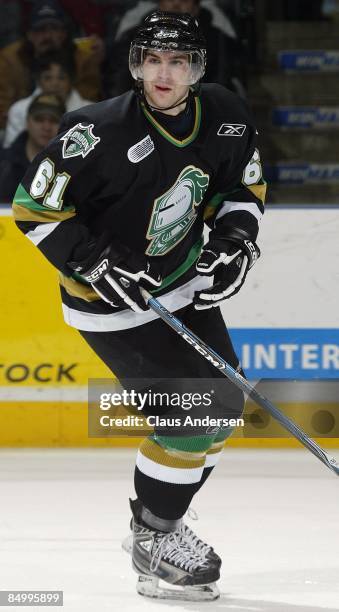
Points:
[(239, 381)]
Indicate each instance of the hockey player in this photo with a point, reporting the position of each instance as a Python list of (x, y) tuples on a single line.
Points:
[(117, 202)]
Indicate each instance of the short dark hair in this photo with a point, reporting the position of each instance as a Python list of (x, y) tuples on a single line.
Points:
[(44, 62)]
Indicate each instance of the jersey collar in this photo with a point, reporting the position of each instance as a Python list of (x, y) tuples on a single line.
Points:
[(176, 141)]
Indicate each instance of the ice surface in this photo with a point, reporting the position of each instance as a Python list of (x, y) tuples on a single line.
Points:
[(271, 515)]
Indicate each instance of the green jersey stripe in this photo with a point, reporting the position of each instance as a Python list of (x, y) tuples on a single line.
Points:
[(23, 198)]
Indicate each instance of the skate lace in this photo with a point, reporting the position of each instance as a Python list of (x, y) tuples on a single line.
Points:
[(173, 548), (191, 538), (194, 542)]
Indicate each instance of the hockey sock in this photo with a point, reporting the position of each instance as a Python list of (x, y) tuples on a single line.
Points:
[(213, 455), (168, 471), (215, 451)]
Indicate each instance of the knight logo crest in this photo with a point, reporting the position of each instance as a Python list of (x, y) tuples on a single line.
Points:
[(79, 140), (175, 211)]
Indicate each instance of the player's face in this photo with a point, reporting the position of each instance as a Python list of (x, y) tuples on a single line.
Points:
[(42, 128), (166, 74)]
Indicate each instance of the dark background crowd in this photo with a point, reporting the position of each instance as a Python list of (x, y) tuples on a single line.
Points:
[(73, 53)]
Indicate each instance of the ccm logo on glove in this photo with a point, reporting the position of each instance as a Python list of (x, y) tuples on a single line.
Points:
[(97, 272), (227, 258)]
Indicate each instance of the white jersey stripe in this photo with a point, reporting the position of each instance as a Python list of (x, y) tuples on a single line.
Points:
[(127, 319), (228, 207), (41, 232)]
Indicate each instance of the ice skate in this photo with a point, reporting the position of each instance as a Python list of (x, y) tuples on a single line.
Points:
[(191, 538), (159, 555)]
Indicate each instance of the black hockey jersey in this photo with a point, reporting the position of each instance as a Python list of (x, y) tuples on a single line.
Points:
[(114, 172)]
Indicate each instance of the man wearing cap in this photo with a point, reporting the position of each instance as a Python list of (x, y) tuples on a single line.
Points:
[(43, 120), (53, 74), (47, 32)]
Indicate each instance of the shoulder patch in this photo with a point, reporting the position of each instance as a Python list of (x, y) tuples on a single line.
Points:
[(140, 150), (231, 129), (79, 140)]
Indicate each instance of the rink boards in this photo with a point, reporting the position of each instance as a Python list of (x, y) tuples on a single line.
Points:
[(284, 324)]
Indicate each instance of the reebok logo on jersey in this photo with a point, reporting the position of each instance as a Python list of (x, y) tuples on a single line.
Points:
[(79, 140), (140, 150), (231, 129)]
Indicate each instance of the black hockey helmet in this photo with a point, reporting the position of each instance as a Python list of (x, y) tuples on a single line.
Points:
[(162, 31)]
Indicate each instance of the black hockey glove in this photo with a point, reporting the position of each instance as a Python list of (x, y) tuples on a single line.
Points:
[(117, 276), (227, 257)]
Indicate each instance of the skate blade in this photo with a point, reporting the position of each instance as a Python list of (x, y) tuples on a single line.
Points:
[(127, 544), (148, 586)]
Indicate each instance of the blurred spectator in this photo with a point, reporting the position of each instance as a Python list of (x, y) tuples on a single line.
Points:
[(330, 9), (47, 32), (54, 74), (10, 21), (225, 55), (217, 15), (43, 120), (90, 15)]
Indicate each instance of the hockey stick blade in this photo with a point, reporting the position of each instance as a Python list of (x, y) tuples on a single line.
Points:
[(239, 381)]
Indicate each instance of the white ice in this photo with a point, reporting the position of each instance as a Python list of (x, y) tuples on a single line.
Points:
[(271, 515)]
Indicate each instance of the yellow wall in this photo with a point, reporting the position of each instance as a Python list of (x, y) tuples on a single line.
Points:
[(36, 343), (32, 330)]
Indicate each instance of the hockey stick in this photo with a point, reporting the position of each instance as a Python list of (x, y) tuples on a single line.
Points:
[(240, 382)]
